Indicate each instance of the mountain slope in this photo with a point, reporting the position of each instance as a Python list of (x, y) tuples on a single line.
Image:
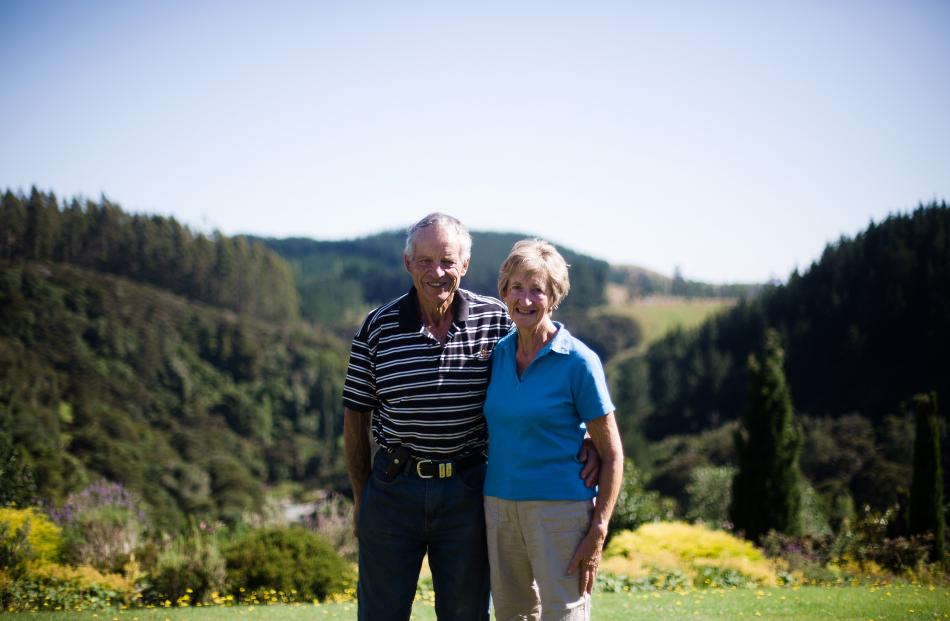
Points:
[(864, 329), (192, 407)]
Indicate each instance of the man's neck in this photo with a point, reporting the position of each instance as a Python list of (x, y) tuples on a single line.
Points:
[(438, 319)]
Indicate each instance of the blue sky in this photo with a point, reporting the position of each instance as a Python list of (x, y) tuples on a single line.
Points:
[(731, 139)]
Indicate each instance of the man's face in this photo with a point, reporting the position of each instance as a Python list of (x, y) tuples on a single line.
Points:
[(436, 266)]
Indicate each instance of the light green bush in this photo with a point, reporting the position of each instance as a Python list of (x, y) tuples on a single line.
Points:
[(709, 492), (707, 557), (190, 570)]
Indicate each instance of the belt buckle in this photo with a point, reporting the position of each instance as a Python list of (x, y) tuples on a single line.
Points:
[(419, 468)]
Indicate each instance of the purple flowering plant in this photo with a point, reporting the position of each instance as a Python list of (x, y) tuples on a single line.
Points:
[(102, 524)]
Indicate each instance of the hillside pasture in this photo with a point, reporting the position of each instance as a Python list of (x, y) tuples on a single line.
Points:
[(659, 314)]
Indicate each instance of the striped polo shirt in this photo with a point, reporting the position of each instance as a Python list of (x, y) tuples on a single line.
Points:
[(424, 395)]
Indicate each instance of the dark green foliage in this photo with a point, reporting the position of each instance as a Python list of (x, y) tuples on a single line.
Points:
[(767, 489), (637, 505), (926, 491), (184, 404), (287, 559), (17, 487), (606, 334), (629, 387), (859, 327), (674, 460), (680, 286), (837, 453), (230, 272)]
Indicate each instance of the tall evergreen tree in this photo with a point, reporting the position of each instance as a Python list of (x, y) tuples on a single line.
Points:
[(766, 491), (926, 491)]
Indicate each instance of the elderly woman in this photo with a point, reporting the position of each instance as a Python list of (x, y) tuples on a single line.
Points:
[(545, 536)]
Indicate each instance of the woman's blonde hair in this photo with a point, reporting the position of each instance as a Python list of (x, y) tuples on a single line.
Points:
[(537, 257)]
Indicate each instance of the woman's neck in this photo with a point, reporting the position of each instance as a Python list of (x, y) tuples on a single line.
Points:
[(532, 340)]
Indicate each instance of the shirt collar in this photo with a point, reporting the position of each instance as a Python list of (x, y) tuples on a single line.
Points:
[(562, 343), (410, 319)]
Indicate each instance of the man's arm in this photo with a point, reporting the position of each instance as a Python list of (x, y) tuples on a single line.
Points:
[(591, 460), (358, 459)]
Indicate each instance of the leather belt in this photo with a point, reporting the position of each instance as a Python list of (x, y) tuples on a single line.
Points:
[(433, 468)]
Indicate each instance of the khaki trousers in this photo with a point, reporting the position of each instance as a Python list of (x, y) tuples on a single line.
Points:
[(530, 543)]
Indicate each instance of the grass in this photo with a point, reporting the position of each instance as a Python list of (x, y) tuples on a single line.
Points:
[(858, 603), (658, 315)]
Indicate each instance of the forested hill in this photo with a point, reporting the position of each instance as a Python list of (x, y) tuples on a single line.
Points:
[(338, 281), (221, 271), (865, 328), (122, 356)]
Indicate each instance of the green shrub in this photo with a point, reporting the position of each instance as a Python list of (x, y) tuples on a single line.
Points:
[(635, 505), (859, 551), (805, 556), (190, 570), (814, 514), (709, 492), (292, 560)]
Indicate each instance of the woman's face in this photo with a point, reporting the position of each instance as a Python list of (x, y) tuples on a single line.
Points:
[(528, 300)]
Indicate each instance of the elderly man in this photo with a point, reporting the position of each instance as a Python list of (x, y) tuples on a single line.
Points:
[(419, 369)]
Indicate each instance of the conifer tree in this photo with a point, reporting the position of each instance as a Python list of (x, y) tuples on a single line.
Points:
[(766, 491), (926, 492)]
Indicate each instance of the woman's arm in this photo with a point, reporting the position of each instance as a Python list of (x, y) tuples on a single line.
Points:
[(606, 437)]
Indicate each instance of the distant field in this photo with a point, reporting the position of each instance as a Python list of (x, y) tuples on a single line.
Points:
[(864, 603), (658, 315)]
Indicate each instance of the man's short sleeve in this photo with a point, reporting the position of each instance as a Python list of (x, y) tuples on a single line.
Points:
[(359, 388)]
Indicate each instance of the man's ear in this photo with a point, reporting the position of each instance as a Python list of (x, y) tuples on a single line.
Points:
[(405, 262), (464, 267)]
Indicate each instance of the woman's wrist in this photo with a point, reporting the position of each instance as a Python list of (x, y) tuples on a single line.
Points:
[(598, 530)]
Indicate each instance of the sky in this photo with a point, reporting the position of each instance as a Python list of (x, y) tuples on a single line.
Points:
[(730, 140)]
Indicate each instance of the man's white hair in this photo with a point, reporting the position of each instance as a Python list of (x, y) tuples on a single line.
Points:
[(446, 223)]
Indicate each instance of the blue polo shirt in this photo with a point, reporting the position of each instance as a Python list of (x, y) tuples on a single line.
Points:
[(536, 422)]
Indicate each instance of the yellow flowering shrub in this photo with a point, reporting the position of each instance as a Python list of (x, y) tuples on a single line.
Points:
[(696, 551), (82, 577), (44, 537), (52, 587)]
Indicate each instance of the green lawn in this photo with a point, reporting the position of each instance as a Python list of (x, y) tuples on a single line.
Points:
[(891, 603)]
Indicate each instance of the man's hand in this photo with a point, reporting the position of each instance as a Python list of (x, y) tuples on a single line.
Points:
[(591, 460), (356, 518)]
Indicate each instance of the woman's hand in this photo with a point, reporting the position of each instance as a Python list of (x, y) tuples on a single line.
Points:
[(606, 438), (586, 559)]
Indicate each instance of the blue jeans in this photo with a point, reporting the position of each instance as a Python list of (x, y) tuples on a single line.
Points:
[(402, 519)]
